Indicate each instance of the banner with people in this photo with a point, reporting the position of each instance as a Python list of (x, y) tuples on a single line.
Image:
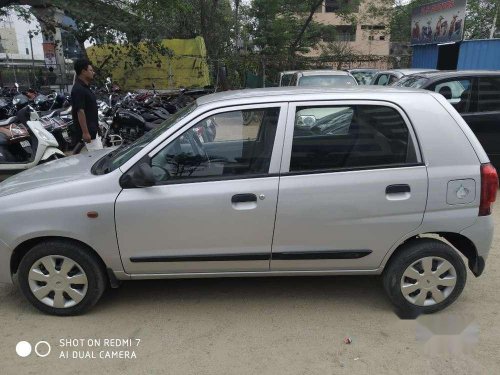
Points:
[(438, 22)]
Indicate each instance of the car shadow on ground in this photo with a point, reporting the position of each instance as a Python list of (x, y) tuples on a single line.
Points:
[(347, 291)]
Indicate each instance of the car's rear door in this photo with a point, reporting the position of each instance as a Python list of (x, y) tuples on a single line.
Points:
[(348, 192)]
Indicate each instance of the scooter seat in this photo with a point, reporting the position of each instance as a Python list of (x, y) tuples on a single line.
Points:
[(9, 121)]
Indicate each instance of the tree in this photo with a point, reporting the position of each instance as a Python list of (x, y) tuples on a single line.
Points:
[(341, 52), (481, 19), (214, 20), (96, 21)]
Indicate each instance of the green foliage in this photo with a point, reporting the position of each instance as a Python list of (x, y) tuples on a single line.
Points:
[(480, 17), (276, 26), (211, 19)]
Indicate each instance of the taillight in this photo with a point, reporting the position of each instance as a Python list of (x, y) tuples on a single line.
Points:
[(489, 187)]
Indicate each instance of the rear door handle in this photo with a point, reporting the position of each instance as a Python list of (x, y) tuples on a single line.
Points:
[(241, 198), (397, 189)]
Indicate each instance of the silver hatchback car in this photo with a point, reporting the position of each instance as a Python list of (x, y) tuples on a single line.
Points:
[(388, 182)]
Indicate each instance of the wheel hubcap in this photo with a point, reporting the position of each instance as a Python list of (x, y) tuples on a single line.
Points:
[(58, 281), (428, 281)]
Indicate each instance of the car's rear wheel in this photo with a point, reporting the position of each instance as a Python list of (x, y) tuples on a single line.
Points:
[(61, 277), (425, 276)]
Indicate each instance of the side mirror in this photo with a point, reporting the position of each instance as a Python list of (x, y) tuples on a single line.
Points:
[(142, 176)]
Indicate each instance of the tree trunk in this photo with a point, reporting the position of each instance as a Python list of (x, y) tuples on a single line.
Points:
[(293, 46)]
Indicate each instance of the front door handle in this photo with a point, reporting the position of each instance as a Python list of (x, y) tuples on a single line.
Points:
[(397, 189), (242, 198)]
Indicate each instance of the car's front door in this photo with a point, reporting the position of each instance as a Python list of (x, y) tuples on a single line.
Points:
[(351, 187), (214, 203)]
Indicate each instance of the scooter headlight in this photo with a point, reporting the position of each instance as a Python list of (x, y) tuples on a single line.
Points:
[(45, 135)]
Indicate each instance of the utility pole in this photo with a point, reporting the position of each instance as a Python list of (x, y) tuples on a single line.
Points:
[(30, 34)]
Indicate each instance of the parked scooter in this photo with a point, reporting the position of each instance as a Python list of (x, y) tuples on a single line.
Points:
[(24, 142)]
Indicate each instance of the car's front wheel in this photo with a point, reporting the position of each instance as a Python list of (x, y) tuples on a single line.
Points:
[(61, 277), (425, 276)]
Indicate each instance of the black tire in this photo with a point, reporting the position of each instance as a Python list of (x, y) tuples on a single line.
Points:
[(406, 256), (93, 268)]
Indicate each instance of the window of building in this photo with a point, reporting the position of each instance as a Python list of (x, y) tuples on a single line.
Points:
[(354, 136), (382, 37), (332, 6), (371, 37), (372, 27), (27, 51), (344, 33)]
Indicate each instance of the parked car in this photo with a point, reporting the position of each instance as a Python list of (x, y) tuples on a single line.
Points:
[(363, 76), (323, 78), (286, 76), (475, 95), (377, 192), (390, 77)]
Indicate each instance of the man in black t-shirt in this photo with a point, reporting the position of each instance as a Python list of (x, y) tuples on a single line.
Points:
[(84, 107)]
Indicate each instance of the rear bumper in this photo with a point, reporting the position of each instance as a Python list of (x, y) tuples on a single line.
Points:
[(5, 253), (481, 234)]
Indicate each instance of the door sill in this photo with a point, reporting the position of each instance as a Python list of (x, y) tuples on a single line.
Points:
[(194, 275)]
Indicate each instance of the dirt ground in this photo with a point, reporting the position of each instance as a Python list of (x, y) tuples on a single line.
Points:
[(259, 326)]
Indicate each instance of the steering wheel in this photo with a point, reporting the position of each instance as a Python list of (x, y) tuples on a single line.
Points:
[(197, 146)]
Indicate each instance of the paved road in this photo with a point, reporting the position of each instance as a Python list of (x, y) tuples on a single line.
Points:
[(260, 326)]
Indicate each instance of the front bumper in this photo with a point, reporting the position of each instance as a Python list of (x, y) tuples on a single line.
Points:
[(5, 254)]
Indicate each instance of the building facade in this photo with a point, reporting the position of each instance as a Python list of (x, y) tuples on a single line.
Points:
[(15, 46), (365, 34)]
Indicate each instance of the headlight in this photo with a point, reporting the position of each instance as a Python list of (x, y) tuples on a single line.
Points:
[(16, 101)]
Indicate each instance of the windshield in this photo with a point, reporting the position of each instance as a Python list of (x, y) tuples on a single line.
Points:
[(328, 81), (121, 155)]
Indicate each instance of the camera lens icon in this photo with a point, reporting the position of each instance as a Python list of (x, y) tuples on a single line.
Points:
[(42, 348), (23, 348)]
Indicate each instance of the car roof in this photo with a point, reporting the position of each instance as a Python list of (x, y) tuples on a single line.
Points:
[(458, 73), (323, 72), (289, 72), (406, 71), (363, 70), (289, 91)]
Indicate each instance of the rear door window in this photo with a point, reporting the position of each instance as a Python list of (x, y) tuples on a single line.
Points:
[(457, 92), (382, 80), (489, 94), (351, 136)]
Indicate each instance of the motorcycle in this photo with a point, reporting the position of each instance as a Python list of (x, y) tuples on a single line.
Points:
[(58, 124), (24, 142)]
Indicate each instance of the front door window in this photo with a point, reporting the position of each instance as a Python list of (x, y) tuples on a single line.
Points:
[(226, 145)]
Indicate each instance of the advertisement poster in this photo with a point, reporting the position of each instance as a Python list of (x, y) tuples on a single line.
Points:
[(49, 53), (438, 22)]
